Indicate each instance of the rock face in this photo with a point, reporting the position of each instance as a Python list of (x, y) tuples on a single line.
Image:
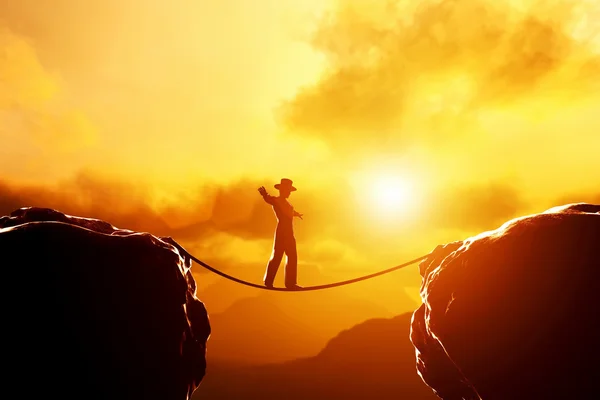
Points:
[(97, 312), (514, 313)]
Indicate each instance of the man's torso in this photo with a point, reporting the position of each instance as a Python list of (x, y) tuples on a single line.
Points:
[(284, 212)]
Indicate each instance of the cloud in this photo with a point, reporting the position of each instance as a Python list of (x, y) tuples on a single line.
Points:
[(39, 126), (391, 64), (236, 209), (475, 207), (582, 197), (205, 211), (219, 216), (119, 203), (32, 102)]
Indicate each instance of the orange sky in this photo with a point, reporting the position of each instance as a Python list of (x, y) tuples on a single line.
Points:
[(166, 117)]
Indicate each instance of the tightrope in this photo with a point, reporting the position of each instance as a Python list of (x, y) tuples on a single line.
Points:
[(304, 289)]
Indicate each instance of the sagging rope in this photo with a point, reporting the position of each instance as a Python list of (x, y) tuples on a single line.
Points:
[(304, 289)]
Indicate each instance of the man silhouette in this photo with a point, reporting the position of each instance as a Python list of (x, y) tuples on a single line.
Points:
[(285, 242)]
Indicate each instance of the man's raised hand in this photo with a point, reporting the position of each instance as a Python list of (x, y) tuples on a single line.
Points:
[(262, 191)]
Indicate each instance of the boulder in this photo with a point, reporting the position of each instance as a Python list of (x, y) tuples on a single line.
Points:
[(97, 312), (514, 313)]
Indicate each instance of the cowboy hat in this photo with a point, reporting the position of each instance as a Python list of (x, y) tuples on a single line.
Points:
[(285, 184)]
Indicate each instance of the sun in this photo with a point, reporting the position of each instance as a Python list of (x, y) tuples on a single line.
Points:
[(390, 195)]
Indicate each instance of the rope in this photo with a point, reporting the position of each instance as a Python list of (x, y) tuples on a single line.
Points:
[(304, 289)]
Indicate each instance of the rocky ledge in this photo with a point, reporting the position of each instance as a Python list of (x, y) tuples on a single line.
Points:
[(97, 312), (514, 313)]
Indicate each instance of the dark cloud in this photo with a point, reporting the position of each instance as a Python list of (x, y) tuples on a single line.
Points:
[(236, 209), (120, 204), (379, 65), (126, 205)]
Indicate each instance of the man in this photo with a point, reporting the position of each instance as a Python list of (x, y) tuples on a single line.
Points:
[(285, 242)]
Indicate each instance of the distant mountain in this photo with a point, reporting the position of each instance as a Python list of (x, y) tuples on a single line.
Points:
[(256, 331), (278, 327), (373, 360)]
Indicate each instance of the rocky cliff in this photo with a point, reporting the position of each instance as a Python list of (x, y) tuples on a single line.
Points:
[(514, 313), (93, 311)]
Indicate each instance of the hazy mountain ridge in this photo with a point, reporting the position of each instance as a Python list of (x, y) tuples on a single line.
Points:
[(272, 328), (373, 359)]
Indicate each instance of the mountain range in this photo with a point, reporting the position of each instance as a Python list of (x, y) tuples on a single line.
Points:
[(372, 360)]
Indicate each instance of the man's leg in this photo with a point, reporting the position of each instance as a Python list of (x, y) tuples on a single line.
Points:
[(274, 262), (291, 264)]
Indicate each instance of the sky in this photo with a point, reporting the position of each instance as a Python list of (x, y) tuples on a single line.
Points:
[(403, 125)]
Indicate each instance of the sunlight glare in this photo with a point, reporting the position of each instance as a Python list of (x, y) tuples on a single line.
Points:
[(390, 195)]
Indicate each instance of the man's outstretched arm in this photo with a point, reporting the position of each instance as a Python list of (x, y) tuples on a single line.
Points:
[(297, 214), (266, 196)]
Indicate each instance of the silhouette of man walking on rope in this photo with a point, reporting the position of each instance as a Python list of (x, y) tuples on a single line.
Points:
[(285, 242)]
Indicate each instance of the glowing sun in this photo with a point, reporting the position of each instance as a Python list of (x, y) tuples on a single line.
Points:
[(390, 194)]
